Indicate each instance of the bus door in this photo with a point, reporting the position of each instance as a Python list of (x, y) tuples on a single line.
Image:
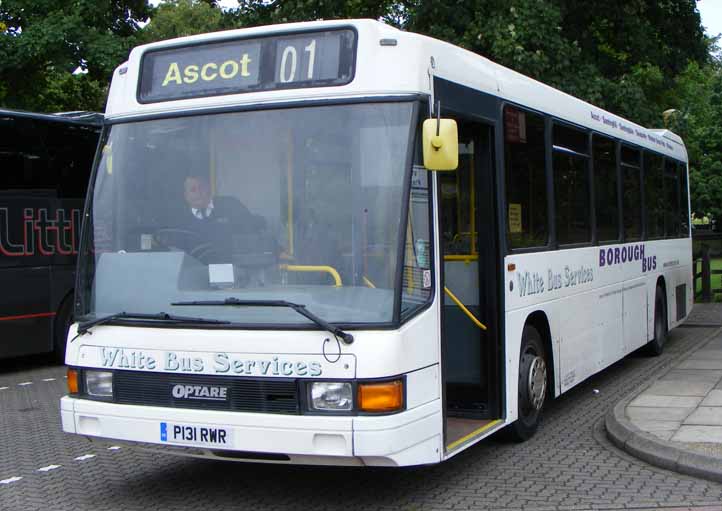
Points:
[(468, 244)]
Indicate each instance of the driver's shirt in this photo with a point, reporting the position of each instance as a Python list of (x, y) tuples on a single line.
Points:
[(201, 214)]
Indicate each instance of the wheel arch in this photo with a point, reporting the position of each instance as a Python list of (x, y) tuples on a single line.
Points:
[(68, 297), (539, 320), (661, 282)]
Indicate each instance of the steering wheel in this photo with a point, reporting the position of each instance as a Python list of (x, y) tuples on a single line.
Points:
[(169, 237), (204, 252)]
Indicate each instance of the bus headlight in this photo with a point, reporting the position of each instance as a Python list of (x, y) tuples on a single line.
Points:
[(331, 396), (99, 383)]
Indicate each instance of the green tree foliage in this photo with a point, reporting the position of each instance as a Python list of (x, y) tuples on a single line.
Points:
[(696, 100), (42, 42), (178, 18), (265, 12)]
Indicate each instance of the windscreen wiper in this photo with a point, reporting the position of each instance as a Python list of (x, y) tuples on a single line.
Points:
[(84, 326), (300, 308)]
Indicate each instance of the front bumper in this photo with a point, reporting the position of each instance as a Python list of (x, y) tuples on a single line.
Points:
[(412, 437)]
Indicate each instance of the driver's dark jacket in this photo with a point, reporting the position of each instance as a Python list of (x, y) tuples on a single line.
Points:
[(227, 213), (227, 220)]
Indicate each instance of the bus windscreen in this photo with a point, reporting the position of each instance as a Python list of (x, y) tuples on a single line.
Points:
[(309, 59)]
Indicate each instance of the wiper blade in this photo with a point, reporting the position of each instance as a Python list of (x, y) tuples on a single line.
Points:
[(300, 308), (160, 316)]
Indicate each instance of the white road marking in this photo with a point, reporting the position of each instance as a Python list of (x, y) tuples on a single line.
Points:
[(25, 383), (48, 468), (11, 480), (114, 448), (85, 457), (4, 388), (48, 379)]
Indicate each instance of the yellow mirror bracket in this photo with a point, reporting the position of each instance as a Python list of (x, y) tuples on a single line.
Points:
[(314, 269), (463, 308)]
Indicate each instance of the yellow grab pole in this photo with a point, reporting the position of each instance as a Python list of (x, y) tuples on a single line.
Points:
[(463, 308)]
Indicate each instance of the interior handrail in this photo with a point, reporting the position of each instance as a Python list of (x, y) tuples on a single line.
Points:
[(464, 309), (461, 257), (312, 269)]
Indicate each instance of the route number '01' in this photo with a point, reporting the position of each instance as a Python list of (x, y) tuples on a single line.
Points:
[(289, 58)]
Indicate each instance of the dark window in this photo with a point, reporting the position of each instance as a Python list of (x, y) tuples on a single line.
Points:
[(672, 216), (684, 201), (71, 149), (606, 192), (571, 186), (571, 139), (526, 193), (52, 158), (632, 194), (654, 194), (23, 160), (457, 207), (630, 156)]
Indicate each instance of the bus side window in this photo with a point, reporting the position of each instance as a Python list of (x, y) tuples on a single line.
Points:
[(654, 194), (684, 201), (632, 198), (606, 191), (671, 200), (70, 155), (24, 162), (525, 167), (571, 185)]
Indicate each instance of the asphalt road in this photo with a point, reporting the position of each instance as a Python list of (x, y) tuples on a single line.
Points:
[(568, 465)]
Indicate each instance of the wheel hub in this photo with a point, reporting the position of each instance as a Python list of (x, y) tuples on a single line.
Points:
[(537, 382)]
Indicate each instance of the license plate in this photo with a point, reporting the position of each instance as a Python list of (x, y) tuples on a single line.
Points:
[(212, 436)]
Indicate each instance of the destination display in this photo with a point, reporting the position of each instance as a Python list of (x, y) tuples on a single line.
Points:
[(310, 59)]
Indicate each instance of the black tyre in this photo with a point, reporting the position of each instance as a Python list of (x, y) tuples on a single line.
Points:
[(63, 320), (656, 345), (533, 385)]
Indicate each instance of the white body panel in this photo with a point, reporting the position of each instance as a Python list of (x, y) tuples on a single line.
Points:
[(411, 437), (592, 323), (595, 322)]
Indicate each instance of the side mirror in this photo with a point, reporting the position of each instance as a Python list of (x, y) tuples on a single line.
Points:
[(441, 144)]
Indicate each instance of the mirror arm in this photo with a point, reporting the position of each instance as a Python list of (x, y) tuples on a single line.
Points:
[(432, 66)]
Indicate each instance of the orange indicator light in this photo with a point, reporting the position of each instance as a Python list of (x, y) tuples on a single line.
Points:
[(73, 381), (381, 397)]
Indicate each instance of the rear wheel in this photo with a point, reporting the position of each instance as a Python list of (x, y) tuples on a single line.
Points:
[(532, 391), (63, 320), (656, 345)]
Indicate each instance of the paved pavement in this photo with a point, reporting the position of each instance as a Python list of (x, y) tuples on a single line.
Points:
[(705, 314), (569, 465), (675, 421)]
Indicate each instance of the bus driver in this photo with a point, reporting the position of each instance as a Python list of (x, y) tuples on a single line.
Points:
[(203, 208), (206, 224)]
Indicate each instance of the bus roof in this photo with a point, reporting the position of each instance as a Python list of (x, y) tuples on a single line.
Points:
[(388, 62), (77, 117)]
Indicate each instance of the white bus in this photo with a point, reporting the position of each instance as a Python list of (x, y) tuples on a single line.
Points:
[(269, 271)]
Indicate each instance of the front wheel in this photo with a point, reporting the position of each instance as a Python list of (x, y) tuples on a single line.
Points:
[(532, 391)]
